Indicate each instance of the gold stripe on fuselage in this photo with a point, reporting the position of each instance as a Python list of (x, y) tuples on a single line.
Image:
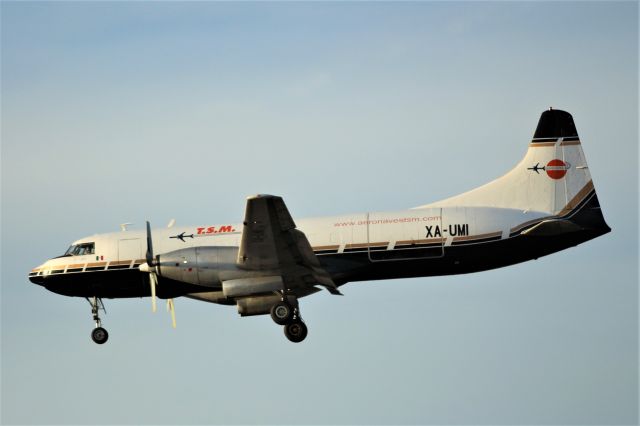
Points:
[(575, 201), (427, 241), (120, 262)]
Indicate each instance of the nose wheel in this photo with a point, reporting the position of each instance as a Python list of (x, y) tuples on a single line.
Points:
[(99, 335)]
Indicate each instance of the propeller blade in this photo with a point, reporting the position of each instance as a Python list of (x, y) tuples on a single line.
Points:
[(153, 280), (171, 308), (149, 254)]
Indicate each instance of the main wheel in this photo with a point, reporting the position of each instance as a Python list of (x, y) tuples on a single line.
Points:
[(296, 331), (99, 335), (281, 313)]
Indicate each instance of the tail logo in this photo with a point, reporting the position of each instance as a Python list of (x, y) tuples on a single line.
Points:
[(536, 168), (557, 169)]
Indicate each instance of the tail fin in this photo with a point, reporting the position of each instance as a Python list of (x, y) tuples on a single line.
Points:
[(552, 178)]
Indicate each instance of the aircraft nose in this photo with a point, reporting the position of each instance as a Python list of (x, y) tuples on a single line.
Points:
[(35, 276)]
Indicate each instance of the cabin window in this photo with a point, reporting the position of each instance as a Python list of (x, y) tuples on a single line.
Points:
[(81, 249)]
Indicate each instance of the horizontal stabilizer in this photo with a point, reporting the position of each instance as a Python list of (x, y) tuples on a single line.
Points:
[(551, 227)]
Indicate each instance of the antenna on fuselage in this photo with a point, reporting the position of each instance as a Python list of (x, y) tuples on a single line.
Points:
[(123, 226)]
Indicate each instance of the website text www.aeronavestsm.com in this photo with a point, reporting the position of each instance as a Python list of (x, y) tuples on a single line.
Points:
[(387, 221)]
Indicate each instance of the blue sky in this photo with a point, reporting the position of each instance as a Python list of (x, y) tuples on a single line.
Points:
[(123, 112)]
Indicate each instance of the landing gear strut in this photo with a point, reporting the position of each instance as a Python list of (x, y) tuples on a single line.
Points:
[(99, 334)]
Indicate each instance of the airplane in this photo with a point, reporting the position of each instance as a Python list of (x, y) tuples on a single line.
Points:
[(181, 236), (536, 168), (265, 264)]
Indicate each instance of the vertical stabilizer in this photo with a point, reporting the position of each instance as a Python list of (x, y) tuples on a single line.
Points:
[(553, 177)]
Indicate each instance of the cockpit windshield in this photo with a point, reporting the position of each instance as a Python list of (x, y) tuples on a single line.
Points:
[(81, 249)]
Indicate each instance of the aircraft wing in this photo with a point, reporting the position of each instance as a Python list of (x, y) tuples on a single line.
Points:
[(270, 242)]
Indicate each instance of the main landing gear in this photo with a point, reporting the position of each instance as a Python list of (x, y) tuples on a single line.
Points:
[(283, 313), (99, 334)]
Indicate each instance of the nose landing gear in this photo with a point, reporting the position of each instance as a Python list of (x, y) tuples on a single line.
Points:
[(99, 334)]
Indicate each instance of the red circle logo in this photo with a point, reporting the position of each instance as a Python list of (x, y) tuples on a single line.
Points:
[(556, 169)]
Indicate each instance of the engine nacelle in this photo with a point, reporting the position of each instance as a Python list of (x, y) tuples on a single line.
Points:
[(195, 265), (260, 305), (247, 286), (211, 266), (212, 297)]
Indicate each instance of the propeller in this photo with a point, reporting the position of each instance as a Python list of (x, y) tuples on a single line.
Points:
[(151, 268)]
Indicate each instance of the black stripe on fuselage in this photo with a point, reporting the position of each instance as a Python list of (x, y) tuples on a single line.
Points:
[(363, 249), (323, 252), (116, 267), (416, 246), (476, 241), (460, 259)]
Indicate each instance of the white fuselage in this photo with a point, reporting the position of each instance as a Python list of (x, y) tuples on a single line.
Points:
[(370, 233)]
